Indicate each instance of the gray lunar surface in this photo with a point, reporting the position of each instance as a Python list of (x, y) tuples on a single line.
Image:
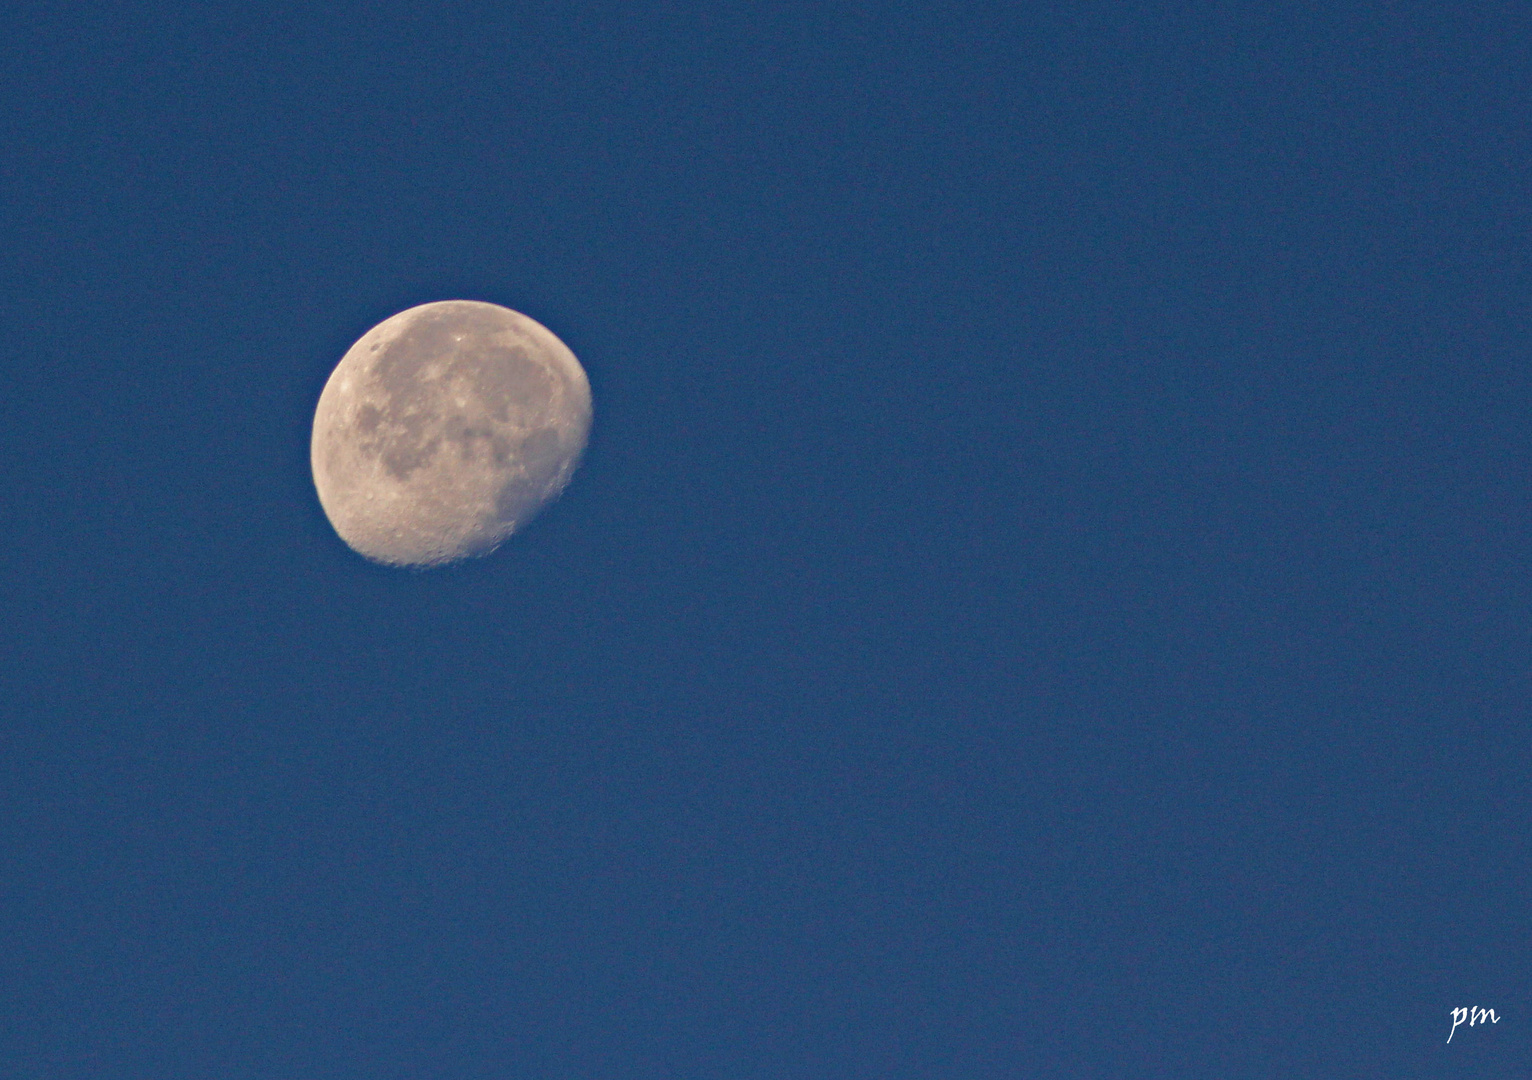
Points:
[(445, 429)]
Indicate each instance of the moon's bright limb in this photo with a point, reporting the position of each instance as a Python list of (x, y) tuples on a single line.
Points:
[(445, 429)]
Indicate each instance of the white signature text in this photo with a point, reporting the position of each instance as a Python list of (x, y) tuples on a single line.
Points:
[(1473, 1015)]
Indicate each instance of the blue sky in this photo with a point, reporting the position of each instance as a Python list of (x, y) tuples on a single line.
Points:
[(1046, 595)]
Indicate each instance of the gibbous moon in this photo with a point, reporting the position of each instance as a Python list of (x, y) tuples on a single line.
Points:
[(445, 429)]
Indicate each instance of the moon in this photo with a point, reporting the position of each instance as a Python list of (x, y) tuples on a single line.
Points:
[(445, 429)]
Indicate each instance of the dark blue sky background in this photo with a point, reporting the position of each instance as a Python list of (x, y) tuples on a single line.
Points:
[(1047, 595)]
